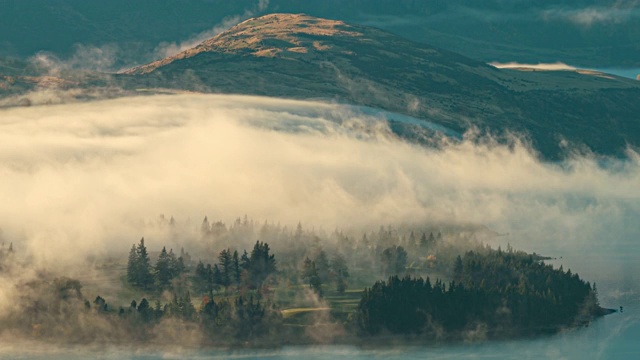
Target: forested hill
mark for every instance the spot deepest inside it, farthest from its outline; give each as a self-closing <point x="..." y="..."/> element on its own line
<point x="493" y="294"/>
<point x="304" y="57"/>
<point x="262" y="297"/>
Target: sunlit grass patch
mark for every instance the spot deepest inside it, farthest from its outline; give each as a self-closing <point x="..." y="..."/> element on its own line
<point x="286" y="313"/>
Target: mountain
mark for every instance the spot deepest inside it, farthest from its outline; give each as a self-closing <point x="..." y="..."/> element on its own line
<point x="594" y="33"/>
<point x="302" y="57"/>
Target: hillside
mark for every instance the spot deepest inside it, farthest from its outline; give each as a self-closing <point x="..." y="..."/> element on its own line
<point x="599" y="34"/>
<point x="299" y="56"/>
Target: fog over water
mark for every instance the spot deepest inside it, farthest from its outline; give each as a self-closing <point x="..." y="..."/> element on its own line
<point x="88" y="178"/>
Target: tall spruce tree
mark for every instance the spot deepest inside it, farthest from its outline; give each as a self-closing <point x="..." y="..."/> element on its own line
<point x="144" y="277"/>
<point x="163" y="270"/>
<point x="225" y="261"/>
<point x="132" y="265"/>
<point x="236" y="271"/>
<point x="261" y="264"/>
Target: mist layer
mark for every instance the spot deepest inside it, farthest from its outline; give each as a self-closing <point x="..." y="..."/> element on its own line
<point x="88" y="178"/>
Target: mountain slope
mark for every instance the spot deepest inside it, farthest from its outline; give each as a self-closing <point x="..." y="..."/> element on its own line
<point x="299" y="56"/>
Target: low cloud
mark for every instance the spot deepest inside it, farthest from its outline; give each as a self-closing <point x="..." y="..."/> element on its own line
<point x="615" y="13"/>
<point x="539" y="66"/>
<point x="85" y="178"/>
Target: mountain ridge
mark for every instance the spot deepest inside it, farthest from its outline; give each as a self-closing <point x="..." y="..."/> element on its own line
<point x="303" y="57"/>
<point x="298" y="56"/>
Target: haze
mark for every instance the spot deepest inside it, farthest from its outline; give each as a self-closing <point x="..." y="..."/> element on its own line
<point x="86" y="178"/>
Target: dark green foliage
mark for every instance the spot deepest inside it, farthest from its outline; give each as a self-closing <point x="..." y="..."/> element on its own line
<point x="244" y="261"/>
<point x="308" y="269"/>
<point x="248" y="270"/>
<point x="181" y="307"/>
<point x="261" y="264"/>
<point x="249" y="314"/>
<point x="132" y="264"/>
<point x="209" y="310"/>
<point x="339" y="266"/>
<point x="176" y="265"/>
<point x="67" y="288"/>
<point x="100" y="303"/>
<point x="225" y="262"/>
<point x="236" y="271"/>
<point x="315" y="281"/>
<point x="457" y="269"/>
<point x="203" y="278"/>
<point x="139" y="271"/>
<point x="145" y="310"/>
<point x="341" y="272"/>
<point x="163" y="269"/>
<point x="514" y="292"/>
<point x="311" y="276"/>
<point x="322" y="266"/>
<point x="217" y="276"/>
<point x="394" y="260"/>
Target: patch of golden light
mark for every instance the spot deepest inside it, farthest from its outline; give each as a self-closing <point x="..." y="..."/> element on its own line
<point x="298" y="49"/>
<point x="267" y="52"/>
<point x="319" y="46"/>
<point x="594" y="73"/>
<point x="250" y="34"/>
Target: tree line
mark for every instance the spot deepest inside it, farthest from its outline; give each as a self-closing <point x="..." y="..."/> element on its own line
<point x="510" y="293"/>
<point x="144" y="275"/>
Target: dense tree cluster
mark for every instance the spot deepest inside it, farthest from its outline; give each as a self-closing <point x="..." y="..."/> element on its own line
<point x="249" y="270"/>
<point x="508" y="292"/>
<point x="142" y="274"/>
<point x="320" y="271"/>
<point x="240" y="297"/>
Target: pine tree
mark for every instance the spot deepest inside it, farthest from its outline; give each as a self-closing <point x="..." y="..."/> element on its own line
<point x="205" y="228"/>
<point x="307" y="270"/>
<point x="457" y="269"/>
<point x="322" y="266"/>
<point x="315" y="282"/>
<point x="261" y="264"/>
<point x="144" y="278"/>
<point x="432" y="241"/>
<point x="424" y="243"/>
<point x="188" y="310"/>
<point x="245" y="262"/>
<point x="412" y="240"/>
<point x="202" y="277"/>
<point x="341" y="271"/>
<point x="132" y="266"/>
<point x="217" y="276"/>
<point x="225" y="267"/>
<point x="236" y="271"/>
<point x="163" y="270"/>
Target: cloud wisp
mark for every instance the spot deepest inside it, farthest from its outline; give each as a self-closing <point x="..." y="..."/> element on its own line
<point x="618" y="12"/>
<point x="167" y="49"/>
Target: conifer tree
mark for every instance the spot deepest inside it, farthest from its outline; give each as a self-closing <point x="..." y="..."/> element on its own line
<point x="132" y="266"/>
<point x="225" y="262"/>
<point x="144" y="278"/>
<point x="236" y="271"/>
<point x="261" y="264"/>
<point x="322" y="266"/>
<point x="163" y="270"/>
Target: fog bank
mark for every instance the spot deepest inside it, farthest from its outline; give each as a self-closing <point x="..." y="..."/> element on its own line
<point x="86" y="178"/>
